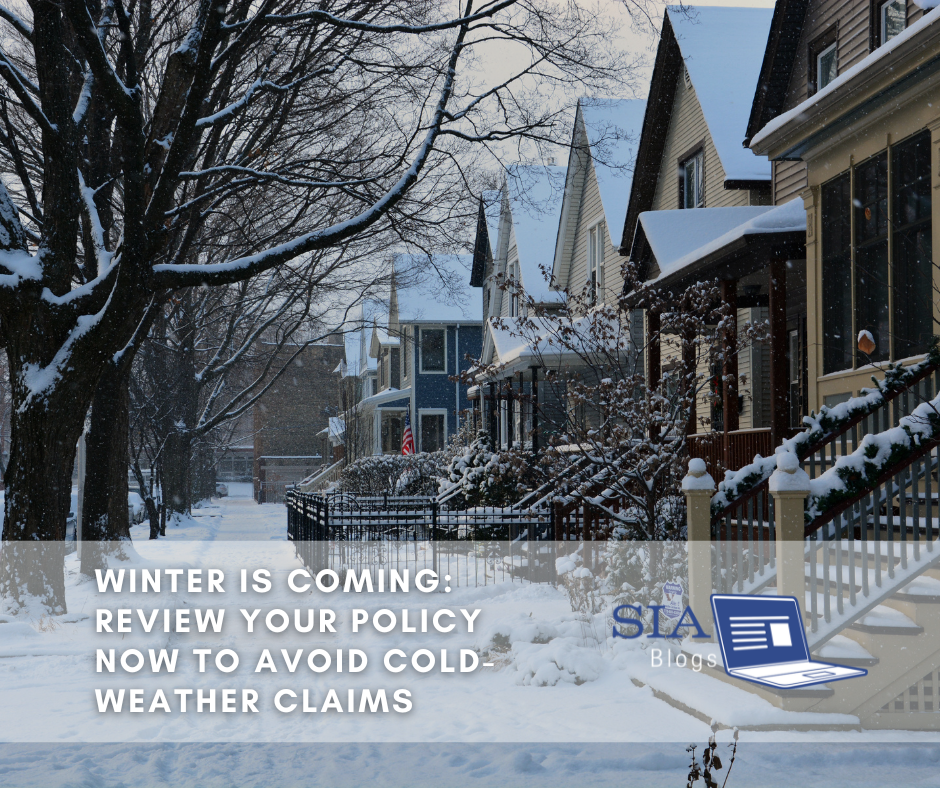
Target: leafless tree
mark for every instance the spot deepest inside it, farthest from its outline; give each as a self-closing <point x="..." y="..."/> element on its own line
<point x="128" y="126"/>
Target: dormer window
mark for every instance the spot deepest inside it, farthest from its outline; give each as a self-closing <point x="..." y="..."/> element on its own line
<point x="892" y="19"/>
<point x="692" y="181"/>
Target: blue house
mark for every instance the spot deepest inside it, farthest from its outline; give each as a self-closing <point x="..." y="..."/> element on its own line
<point x="433" y="323"/>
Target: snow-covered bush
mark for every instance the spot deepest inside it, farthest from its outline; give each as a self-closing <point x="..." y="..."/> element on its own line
<point x="481" y="476"/>
<point x="394" y="474"/>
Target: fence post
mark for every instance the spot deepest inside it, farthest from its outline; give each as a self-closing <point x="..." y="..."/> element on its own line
<point x="433" y="535"/>
<point x="789" y="486"/>
<point x="699" y="487"/>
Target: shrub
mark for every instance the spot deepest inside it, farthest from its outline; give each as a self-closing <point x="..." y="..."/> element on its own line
<point x="394" y="474"/>
<point x="484" y="477"/>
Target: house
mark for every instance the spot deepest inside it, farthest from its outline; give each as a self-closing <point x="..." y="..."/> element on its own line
<point x="847" y="110"/>
<point x="430" y="326"/>
<point x="513" y="258"/>
<point x="289" y="417"/>
<point x="701" y="208"/>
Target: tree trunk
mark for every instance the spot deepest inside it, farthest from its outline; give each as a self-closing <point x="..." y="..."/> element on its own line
<point x="105" y="523"/>
<point x="177" y="473"/>
<point x="38" y="478"/>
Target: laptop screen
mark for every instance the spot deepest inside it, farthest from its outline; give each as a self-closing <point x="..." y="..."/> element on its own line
<point x="759" y="630"/>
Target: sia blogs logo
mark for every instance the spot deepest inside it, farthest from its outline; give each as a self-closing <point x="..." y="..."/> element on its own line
<point x="631" y="626"/>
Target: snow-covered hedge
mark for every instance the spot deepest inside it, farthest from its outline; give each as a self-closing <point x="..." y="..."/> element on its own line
<point x="830" y="421"/>
<point x="395" y="474"/>
<point x="480" y="476"/>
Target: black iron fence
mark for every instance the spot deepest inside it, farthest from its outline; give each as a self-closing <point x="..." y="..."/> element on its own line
<point x="465" y="547"/>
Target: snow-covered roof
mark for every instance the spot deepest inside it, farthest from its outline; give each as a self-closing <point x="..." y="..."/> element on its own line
<point x="535" y="197"/>
<point x="436" y="289"/>
<point x="882" y="52"/>
<point x="682" y="237"/>
<point x="723" y="48"/>
<point x="383" y="398"/>
<point x="613" y="128"/>
<point x="352" y="342"/>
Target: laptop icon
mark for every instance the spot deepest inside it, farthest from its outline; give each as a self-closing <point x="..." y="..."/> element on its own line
<point x="763" y="640"/>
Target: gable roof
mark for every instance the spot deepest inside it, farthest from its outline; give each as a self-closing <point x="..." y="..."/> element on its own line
<point x="777" y="67"/>
<point x="435" y="289"/>
<point x="487" y="235"/>
<point x="605" y="137"/>
<point x="535" y="196"/>
<point x="721" y="48"/>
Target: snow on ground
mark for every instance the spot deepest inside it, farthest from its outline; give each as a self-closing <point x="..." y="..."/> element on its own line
<point x="587" y="722"/>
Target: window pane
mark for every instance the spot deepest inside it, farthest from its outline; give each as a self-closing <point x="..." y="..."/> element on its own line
<point x="395" y="368"/>
<point x="827" y="66"/>
<point x="836" y="275"/>
<point x="432" y="350"/>
<point x="913" y="269"/>
<point x="893" y="19"/>
<point x="871" y="254"/>
<point x="432" y="432"/>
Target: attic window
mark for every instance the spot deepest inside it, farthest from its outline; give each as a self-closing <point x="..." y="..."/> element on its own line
<point x="692" y="181"/>
<point x="688" y="79"/>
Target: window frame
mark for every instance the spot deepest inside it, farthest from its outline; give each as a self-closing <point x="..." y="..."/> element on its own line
<point x="422" y="412"/>
<point x="876" y="24"/>
<point x="697" y="157"/>
<point x="421" y="368"/>
<point x="400" y="412"/>
<point x="817" y="48"/>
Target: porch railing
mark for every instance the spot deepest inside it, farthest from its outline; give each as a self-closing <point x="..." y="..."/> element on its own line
<point x="743" y="512"/>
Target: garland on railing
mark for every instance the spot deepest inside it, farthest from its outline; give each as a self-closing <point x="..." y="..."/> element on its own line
<point x="830" y="422"/>
<point x="861" y="471"/>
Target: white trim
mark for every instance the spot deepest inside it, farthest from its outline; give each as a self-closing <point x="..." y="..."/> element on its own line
<point x="430" y="412"/>
<point x="597" y="237"/>
<point x="421" y="368"/>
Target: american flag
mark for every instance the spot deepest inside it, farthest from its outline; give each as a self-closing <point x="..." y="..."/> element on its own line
<point x="407" y="439"/>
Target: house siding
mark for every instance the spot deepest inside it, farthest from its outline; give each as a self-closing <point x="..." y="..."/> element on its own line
<point x="590" y="212"/>
<point x="854" y="23"/>
<point x="687" y="129"/>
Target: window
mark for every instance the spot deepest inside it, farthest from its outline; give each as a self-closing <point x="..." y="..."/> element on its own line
<point x="393" y="422"/>
<point x="827" y="65"/>
<point x="406" y="354"/>
<point x="911" y="256"/>
<point x="381" y="365"/>
<point x="692" y="181"/>
<point x="889" y="17"/>
<point x="433" y="348"/>
<point x="596" y="261"/>
<point x="395" y="368"/>
<point x="432" y="431"/>
<point x="876" y="257"/>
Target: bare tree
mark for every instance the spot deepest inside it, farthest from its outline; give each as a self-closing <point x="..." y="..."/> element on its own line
<point x="128" y="126"/>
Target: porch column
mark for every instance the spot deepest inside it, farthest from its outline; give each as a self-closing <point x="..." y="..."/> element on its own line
<point x="779" y="383"/>
<point x="688" y="372"/>
<point x="654" y="351"/>
<point x="510" y="415"/>
<point x="789" y="485"/>
<point x="521" y="399"/>
<point x="535" y="410"/>
<point x="492" y="414"/>
<point x="699" y="487"/>
<point x="729" y="369"/>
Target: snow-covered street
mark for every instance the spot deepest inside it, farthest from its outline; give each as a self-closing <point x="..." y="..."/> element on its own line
<point x="459" y="729"/>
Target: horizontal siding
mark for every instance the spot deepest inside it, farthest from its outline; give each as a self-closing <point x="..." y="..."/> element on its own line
<point x="687" y="128"/>
<point x="854" y="21"/>
<point x="789" y="180"/>
<point x="591" y="212"/>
